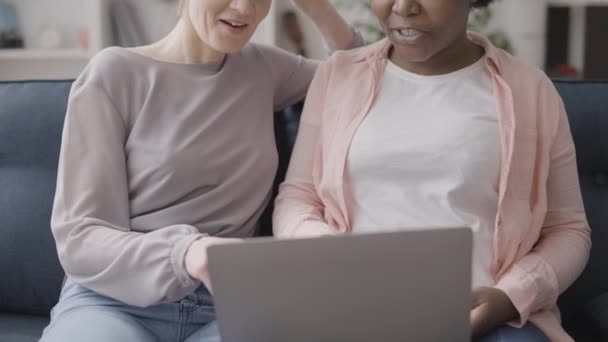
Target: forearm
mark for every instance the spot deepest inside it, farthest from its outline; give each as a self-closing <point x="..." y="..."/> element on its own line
<point x="566" y="249"/>
<point x="335" y="30"/>
<point x="536" y="281"/>
<point x="298" y="213"/>
<point x="140" y="269"/>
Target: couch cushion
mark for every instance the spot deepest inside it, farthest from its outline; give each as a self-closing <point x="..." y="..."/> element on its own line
<point x="597" y="311"/>
<point x="31" y="121"/>
<point x="587" y="106"/>
<point x="21" y="328"/>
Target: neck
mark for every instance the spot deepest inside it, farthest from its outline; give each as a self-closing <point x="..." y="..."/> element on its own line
<point x="458" y="55"/>
<point x="183" y="45"/>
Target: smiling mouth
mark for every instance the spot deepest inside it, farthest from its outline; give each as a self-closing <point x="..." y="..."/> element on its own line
<point x="407" y="34"/>
<point x="234" y="24"/>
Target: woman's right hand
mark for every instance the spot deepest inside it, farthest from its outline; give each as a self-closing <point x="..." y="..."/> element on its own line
<point x="196" y="259"/>
<point x="492" y="308"/>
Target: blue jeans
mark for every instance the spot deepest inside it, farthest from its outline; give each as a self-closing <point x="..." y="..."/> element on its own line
<point x="529" y="333"/>
<point x="83" y="315"/>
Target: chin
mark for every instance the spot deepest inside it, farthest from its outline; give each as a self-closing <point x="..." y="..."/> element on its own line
<point x="411" y="55"/>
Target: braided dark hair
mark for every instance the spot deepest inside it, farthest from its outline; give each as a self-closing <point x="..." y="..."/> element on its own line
<point x="482" y="3"/>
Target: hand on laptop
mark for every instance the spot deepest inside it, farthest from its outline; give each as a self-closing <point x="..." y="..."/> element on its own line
<point x="492" y="308"/>
<point x="195" y="259"/>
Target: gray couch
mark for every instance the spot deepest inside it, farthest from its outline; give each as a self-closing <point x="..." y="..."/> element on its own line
<point x="31" y="119"/>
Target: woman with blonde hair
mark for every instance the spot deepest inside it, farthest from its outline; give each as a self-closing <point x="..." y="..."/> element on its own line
<point x="167" y="149"/>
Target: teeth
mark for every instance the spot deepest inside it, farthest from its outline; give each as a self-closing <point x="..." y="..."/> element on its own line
<point x="409" y="33"/>
<point x="235" y="24"/>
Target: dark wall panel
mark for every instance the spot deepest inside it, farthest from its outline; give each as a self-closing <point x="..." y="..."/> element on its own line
<point x="558" y="35"/>
<point x="596" y="50"/>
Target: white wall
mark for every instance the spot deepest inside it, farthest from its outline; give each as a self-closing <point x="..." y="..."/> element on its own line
<point x="524" y="21"/>
<point x="267" y="31"/>
<point x="156" y="17"/>
<point x="81" y="30"/>
<point x="576" y="55"/>
<point x="35" y="15"/>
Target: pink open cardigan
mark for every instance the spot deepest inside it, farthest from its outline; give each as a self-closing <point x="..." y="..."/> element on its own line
<point x="542" y="238"/>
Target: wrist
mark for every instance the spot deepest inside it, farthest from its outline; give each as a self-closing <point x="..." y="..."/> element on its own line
<point x="193" y="260"/>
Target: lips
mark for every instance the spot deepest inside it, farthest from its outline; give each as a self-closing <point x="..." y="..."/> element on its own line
<point x="234" y="23"/>
<point x="407" y="35"/>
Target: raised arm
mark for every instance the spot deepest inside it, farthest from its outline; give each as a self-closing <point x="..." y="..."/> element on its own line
<point x="335" y="30"/>
<point x="292" y="73"/>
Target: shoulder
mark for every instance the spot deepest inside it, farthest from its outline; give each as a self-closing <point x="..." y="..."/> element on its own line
<point x="372" y="52"/>
<point x="111" y="76"/>
<point x="255" y="50"/>
<point x="112" y="55"/>
<point x="353" y="63"/>
<point x="349" y="67"/>
<point x="528" y="83"/>
<point x="286" y="72"/>
<point x="108" y="69"/>
<point x="519" y="73"/>
<point x="534" y="95"/>
<point x="257" y="60"/>
<point x="108" y="62"/>
<point x="266" y="51"/>
<point x="269" y="56"/>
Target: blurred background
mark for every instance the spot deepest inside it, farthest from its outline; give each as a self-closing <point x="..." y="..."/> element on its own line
<point x="50" y="39"/>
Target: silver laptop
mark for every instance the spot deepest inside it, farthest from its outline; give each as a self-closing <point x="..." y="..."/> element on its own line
<point x="404" y="286"/>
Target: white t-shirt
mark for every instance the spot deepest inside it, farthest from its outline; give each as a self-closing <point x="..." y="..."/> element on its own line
<point x="428" y="156"/>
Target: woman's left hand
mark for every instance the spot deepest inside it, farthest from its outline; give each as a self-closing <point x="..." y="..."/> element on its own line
<point x="492" y="308"/>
